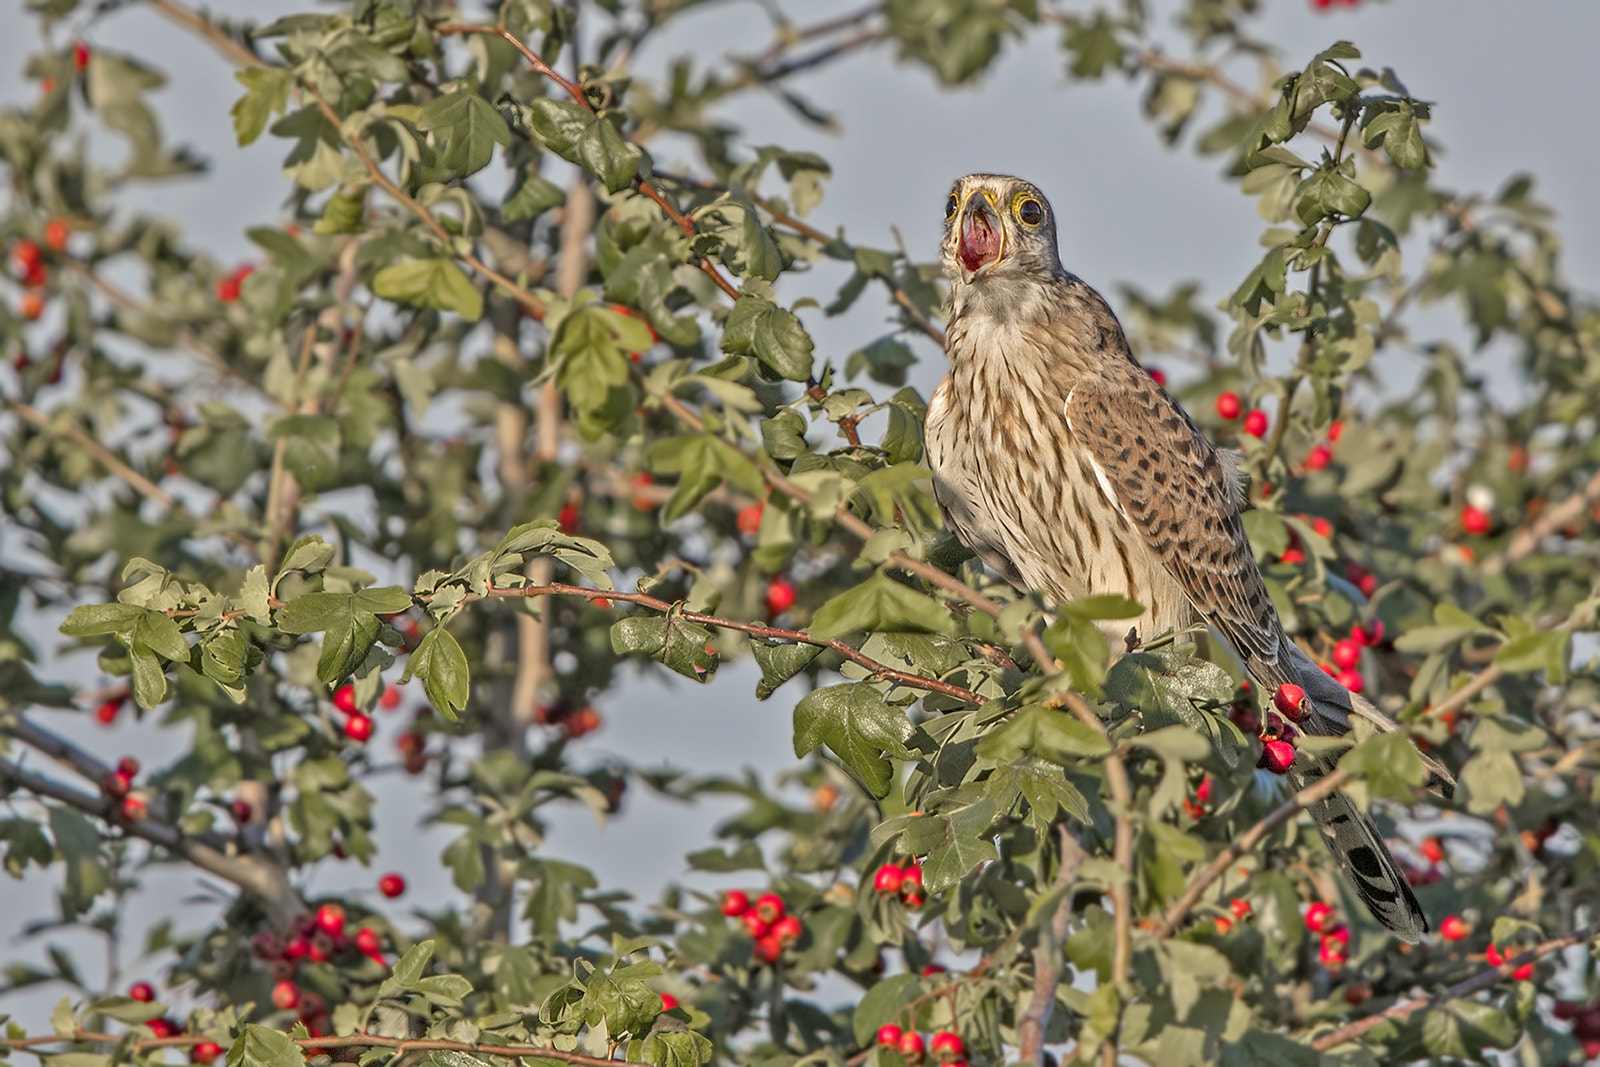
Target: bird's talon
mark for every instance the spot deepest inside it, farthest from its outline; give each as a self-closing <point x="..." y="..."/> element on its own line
<point x="1132" y="639"/>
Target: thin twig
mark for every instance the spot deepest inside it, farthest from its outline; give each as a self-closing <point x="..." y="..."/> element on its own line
<point x="1046" y="964"/>
<point x="101" y="455"/>
<point x="1472" y="985"/>
<point x="213" y="34"/>
<point x="1244" y="843"/>
<point x="879" y="670"/>
<point x="1527" y="539"/>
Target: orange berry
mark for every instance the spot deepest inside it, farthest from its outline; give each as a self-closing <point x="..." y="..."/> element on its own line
<point x="56" y="232"/>
<point x="749" y="518"/>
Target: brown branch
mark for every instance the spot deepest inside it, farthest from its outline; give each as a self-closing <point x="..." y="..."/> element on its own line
<point x="1046" y="970"/>
<point x="1457" y="700"/>
<point x="579" y="97"/>
<point x="1527" y="539"/>
<point x="401" y="1045"/>
<point x="1477" y="982"/>
<point x="1245" y="842"/>
<point x="252" y="874"/>
<point x="213" y="34"/>
<point x="879" y="670"/>
<point x="102" y="455"/>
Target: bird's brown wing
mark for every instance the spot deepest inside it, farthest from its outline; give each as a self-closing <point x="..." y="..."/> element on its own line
<point x="1171" y="485"/>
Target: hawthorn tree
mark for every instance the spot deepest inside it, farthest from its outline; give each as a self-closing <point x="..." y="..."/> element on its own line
<point x="583" y="424"/>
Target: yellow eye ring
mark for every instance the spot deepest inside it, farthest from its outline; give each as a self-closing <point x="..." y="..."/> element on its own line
<point x="950" y="206"/>
<point x="1029" y="211"/>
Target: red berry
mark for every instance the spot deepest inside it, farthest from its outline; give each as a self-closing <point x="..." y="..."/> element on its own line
<point x="285" y="995"/>
<point x="106" y="713"/>
<point x="298" y="948"/>
<point x="749" y="519"/>
<point x="1370" y="635"/>
<point x="205" y="1052"/>
<point x="735" y="903"/>
<point x="1241" y="908"/>
<point x="411" y="743"/>
<point x="1255" y="423"/>
<point x="913" y="899"/>
<point x="583" y="721"/>
<point x="887" y="880"/>
<point x="781" y="596"/>
<point x="889" y="1034"/>
<point x="1293" y="555"/>
<point x="1288" y="700"/>
<point x="133" y="808"/>
<point x="391" y="885"/>
<point x="128" y="767"/>
<point x="788" y="930"/>
<point x="1157" y="375"/>
<point x="1318" y="458"/>
<point x="390" y="698"/>
<point x="31" y="305"/>
<point x="142" y="991"/>
<point x="912" y="1046"/>
<point x="1203" y="791"/>
<point x="755" y="925"/>
<point x="1475" y="520"/>
<point x="1351" y="679"/>
<point x="668" y="1002"/>
<point x="344" y="698"/>
<point x="330" y="919"/>
<point x="27" y="255"/>
<point x="1492" y="955"/>
<point x="56" y="232"/>
<point x="768" y="949"/>
<point x="1347" y="652"/>
<point x="911" y="878"/>
<point x="1454" y="928"/>
<point x="934" y="968"/>
<point x="1357" y="993"/>
<point x="567" y="518"/>
<point x="1222" y="923"/>
<point x="769" y="906"/>
<point x="1335" y="431"/>
<point x="227" y="290"/>
<point x="368" y="942"/>
<point x="1319" y="917"/>
<point x="80" y="59"/>
<point x="1433" y="848"/>
<point x="1523" y="973"/>
<point x="642" y="501"/>
<point x="1322" y="527"/>
<point x="358" y="727"/>
<point x="1276" y="756"/>
<point x="163" y="1027"/>
<point x="947" y="1045"/>
<point x="1228" y="405"/>
<point x="115" y="785"/>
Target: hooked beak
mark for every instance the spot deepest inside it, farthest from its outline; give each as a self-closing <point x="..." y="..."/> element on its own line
<point x="982" y="239"/>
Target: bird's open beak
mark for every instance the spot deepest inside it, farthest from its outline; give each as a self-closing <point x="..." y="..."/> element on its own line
<point x="982" y="240"/>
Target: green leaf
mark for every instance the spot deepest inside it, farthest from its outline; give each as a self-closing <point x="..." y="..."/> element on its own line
<point x="1093" y="45"/>
<point x="1044" y="731"/>
<point x="580" y="136"/>
<point x="262" y="1046"/>
<point x="779" y="663"/>
<point x="758" y="327"/>
<point x="862" y="730"/>
<point x="442" y="666"/>
<point x="676" y="1048"/>
<point x="1464" y="1028"/>
<point x="882" y="1004"/>
<point x="1326" y="193"/>
<point x="881" y="603"/>
<point x="532" y="196"/>
<point x="680" y="645"/>
<point x="1389" y="763"/>
<point x="266" y="93"/>
<point x="90" y="620"/>
<point x="433" y="282"/>
<point x="467" y="128"/>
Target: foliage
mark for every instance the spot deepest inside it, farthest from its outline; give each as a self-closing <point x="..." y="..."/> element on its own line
<point x="236" y="483"/>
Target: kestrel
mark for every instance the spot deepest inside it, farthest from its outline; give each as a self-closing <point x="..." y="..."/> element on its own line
<point x="1069" y="471"/>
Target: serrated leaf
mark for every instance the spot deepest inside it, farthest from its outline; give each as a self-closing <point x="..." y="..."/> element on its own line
<point x="880" y="603"/>
<point x="779" y="663"/>
<point x="467" y="128"/>
<point x="580" y="136"/>
<point x="862" y="730"/>
<point x="758" y="327"/>
<point x="262" y="1046"/>
<point x="678" y="644"/>
<point x="432" y="282"/>
<point x="442" y="666"/>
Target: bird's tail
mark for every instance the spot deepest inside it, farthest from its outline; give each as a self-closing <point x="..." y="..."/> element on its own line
<point x="1352" y="837"/>
<point x="1364" y="860"/>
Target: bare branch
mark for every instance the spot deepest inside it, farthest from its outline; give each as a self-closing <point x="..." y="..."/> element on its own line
<point x="1551" y="519"/>
<point x="1046" y="957"/>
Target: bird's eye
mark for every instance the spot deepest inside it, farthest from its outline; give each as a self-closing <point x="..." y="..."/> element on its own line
<point x="950" y="206"/>
<point x="1030" y="211"/>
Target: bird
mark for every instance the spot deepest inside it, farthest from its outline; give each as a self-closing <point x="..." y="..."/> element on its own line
<point x="1068" y="470"/>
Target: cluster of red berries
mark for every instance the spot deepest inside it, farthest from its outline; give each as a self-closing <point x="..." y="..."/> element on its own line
<point x="202" y="1052"/>
<point x="319" y="938"/>
<point x="358" y="725"/>
<point x="1321" y="454"/>
<point x="1335" y="948"/>
<point x="413" y="746"/>
<point x="118" y="785"/>
<point x="1239" y="910"/>
<point x="767" y="922"/>
<point x="576" y="722"/>
<point x="1230" y="407"/>
<point x="27" y="259"/>
<point x="903" y="880"/>
<point x="946" y="1045"/>
<point x="1346" y="654"/>
<point x="228" y="288"/>
<point x="1585" y="1019"/>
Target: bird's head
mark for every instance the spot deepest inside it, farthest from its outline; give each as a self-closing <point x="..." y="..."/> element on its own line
<point x="997" y="226"/>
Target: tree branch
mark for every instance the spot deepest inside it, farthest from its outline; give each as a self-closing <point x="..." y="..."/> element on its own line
<point x="1527" y="539"/>
<point x="1046" y="968"/>
<point x="1245" y="842"/>
<point x="879" y="670"/>
<point x="252" y="874"/>
<point x="1477" y="982"/>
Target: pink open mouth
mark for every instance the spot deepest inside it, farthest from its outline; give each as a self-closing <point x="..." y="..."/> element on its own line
<point x="980" y="239"/>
